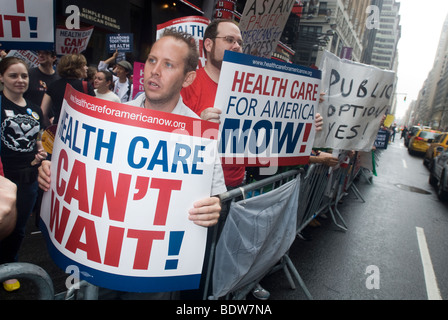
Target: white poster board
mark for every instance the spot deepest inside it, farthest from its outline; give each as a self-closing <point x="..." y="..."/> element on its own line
<point x="122" y="181"/>
<point x="268" y="109"/>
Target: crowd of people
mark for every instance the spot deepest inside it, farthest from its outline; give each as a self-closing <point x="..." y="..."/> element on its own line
<point x="31" y="100"/>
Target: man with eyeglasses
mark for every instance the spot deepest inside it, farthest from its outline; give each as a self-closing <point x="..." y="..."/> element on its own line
<point x="219" y="36"/>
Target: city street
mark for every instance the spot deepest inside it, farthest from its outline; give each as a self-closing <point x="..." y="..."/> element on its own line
<point x="378" y="257"/>
<point x="382" y="232"/>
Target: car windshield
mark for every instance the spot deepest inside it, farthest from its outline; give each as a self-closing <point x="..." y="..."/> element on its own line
<point x="428" y="134"/>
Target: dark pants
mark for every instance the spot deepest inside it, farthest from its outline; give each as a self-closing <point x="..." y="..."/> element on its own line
<point x="26" y="198"/>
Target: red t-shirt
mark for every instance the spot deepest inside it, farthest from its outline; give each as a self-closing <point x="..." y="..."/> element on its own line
<point x="199" y="96"/>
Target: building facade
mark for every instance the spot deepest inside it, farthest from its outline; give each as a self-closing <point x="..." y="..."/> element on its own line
<point x="384" y="49"/>
<point x="138" y="17"/>
<point x="431" y="106"/>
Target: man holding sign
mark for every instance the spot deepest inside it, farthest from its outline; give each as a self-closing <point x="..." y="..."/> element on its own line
<point x="220" y="35"/>
<point x="171" y="65"/>
<point x="162" y="92"/>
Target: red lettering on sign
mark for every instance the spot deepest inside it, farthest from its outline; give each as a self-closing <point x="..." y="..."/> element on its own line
<point x="114" y="245"/>
<point x="144" y="246"/>
<point x="78" y="178"/>
<point x="20" y="6"/>
<point x="86" y="227"/>
<point x="58" y="224"/>
<point x="165" y="186"/>
<point x="15" y="24"/>
<point x="104" y="189"/>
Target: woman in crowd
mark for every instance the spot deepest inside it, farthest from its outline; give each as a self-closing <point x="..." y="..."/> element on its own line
<point x="21" y="152"/>
<point x="102" y="83"/>
<point x="72" y="68"/>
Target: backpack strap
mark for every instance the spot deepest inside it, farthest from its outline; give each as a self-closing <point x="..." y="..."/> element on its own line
<point x="84" y="85"/>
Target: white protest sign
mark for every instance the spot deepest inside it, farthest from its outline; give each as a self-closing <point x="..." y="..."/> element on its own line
<point x="27" y="24"/>
<point x="123" y="180"/>
<point x="194" y="25"/>
<point x="268" y="109"/>
<point x="356" y="98"/>
<point x="30" y="57"/>
<point x="262" y="24"/>
<point x="72" y="40"/>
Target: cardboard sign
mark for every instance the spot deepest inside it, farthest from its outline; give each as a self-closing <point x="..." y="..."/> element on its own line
<point x="268" y="109"/>
<point x="357" y="96"/>
<point x="72" y="41"/>
<point x="27" y="24"/>
<point x="262" y="24"/>
<point x="194" y="25"/>
<point x="123" y="180"/>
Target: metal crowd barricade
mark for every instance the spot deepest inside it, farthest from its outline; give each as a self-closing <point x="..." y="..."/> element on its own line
<point x="252" y="189"/>
<point x="340" y="180"/>
<point x="312" y="193"/>
<point x="321" y="188"/>
<point x="31" y="272"/>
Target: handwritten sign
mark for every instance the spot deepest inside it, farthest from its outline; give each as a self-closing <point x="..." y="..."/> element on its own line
<point x="194" y="25"/>
<point x="262" y="24"/>
<point x="268" y="110"/>
<point x="357" y="96"/>
<point x="27" y="24"/>
<point x="123" y="179"/>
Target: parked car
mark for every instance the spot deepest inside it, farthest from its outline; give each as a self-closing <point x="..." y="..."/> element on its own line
<point x="421" y="141"/>
<point x="411" y="132"/>
<point x="438" y="176"/>
<point x="431" y="153"/>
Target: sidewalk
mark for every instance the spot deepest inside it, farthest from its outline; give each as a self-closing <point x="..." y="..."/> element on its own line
<point x="34" y="250"/>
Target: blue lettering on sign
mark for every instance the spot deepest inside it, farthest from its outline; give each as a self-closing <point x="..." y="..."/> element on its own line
<point x="183" y="158"/>
<point x="279" y="134"/>
<point x="70" y="131"/>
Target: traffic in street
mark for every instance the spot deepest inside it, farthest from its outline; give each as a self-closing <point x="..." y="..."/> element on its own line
<point x="396" y="234"/>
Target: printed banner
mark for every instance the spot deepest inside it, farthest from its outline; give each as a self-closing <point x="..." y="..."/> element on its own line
<point x="30" y="57"/>
<point x="382" y="139"/>
<point x="72" y="41"/>
<point x="123" y="180"/>
<point x="194" y="25"/>
<point x="138" y="79"/>
<point x="27" y="24"/>
<point x="123" y="42"/>
<point x="268" y="109"/>
<point x="357" y="96"/>
<point x="262" y="24"/>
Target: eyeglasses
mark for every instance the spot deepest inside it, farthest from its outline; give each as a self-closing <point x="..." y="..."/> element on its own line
<point x="231" y="40"/>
